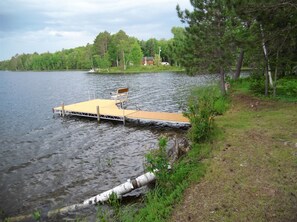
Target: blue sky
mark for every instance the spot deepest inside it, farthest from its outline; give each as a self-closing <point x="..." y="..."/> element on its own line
<point x="28" y="26"/>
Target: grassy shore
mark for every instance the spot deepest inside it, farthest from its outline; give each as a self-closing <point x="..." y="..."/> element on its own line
<point x="141" y="69"/>
<point x="251" y="173"/>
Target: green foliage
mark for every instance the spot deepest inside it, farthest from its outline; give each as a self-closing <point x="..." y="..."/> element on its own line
<point x="276" y="32"/>
<point x="166" y="53"/>
<point x="257" y="83"/>
<point x="115" y="203"/>
<point x="208" y="42"/>
<point x="104" y="62"/>
<point x="158" y="162"/>
<point x="221" y="105"/>
<point x="101" y="43"/>
<point x="36" y="215"/>
<point x="157" y="61"/>
<point x="177" y="45"/>
<point x="205" y="103"/>
<point x="241" y="84"/>
<point x="136" y="55"/>
<point x="103" y="215"/>
<point x="142" y="69"/>
<point x="151" y="47"/>
<point x="287" y="86"/>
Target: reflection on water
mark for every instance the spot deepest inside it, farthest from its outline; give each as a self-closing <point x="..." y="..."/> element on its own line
<point x="47" y="161"/>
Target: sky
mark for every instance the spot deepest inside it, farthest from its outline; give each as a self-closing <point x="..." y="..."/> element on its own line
<point x="28" y="26"/>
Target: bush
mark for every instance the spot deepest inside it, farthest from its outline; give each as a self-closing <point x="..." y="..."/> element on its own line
<point x="205" y="103"/>
<point x="257" y="83"/>
<point x="221" y="105"/>
<point x="158" y="160"/>
<point x="287" y="86"/>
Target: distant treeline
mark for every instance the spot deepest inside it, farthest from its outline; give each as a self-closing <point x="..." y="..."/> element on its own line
<point x="107" y="50"/>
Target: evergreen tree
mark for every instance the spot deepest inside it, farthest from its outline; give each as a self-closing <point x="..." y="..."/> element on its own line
<point x="151" y="47"/>
<point x="209" y="44"/>
<point x="101" y="43"/>
<point x="177" y="45"/>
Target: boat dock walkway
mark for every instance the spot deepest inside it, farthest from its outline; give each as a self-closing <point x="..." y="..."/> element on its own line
<point x="109" y="109"/>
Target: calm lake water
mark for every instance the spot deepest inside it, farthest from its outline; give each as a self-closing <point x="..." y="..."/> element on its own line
<point x="47" y="161"/>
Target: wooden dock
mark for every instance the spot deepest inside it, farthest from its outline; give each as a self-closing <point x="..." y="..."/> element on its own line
<point x="109" y="109"/>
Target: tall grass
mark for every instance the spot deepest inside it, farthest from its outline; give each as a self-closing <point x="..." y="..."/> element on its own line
<point x="204" y="104"/>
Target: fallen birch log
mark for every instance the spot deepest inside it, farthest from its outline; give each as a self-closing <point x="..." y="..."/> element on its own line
<point x="100" y="198"/>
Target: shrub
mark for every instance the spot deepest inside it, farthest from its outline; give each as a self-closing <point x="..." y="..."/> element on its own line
<point x="158" y="162"/>
<point x="287" y="86"/>
<point x="221" y="105"/>
<point x="257" y="83"/>
<point x="205" y="103"/>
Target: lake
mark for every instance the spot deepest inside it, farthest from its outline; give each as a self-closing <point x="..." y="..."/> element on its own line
<point x="47" y="161"/>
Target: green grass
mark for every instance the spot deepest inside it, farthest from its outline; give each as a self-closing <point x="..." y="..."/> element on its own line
<point x="141" y="69"/>
<point x="241" y="85"/>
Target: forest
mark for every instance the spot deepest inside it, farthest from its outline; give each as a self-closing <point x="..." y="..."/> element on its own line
<point x="224" y="33"/>
<point x="107" y="50"/>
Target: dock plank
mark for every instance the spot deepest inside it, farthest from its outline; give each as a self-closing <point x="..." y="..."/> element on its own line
<point x="159" y="116"/>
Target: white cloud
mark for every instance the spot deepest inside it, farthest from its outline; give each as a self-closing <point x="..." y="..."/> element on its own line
<point x="37" y="25"/>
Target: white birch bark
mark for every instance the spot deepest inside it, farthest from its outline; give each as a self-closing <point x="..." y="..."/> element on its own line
<point x="100" y="198"/>
<point x="266" y="56"/>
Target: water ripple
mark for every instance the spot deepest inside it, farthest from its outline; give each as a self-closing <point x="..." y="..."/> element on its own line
<point x="48" y="161"/>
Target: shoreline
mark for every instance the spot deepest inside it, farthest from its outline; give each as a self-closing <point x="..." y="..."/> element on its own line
<point x="115" y="70"/>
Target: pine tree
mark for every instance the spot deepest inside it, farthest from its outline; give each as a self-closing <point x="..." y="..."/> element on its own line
<point x="209" y="45"/>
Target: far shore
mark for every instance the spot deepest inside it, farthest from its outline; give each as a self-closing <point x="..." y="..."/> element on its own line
<point x="129" y="70"/>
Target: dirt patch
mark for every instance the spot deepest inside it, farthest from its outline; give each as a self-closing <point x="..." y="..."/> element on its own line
<point x="252" y="103"/>
<point x="253" y="174"/>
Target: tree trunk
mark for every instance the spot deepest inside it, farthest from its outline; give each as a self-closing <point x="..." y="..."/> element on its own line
<point x="239" y="65"/>
<point x="266" y="57"/>
<point x="124" y="64"/>
<point x="266" y="79"/>
<point x="222" y="81"/>
<point x="275" y="75"/>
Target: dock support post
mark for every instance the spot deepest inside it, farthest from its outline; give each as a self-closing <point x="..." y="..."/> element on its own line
<point x="124" y="118"/>
<point x="98" y="113"/>
<point x="63" y="109"/>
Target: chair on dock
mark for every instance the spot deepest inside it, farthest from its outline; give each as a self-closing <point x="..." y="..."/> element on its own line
<point x="121" y="96"/>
